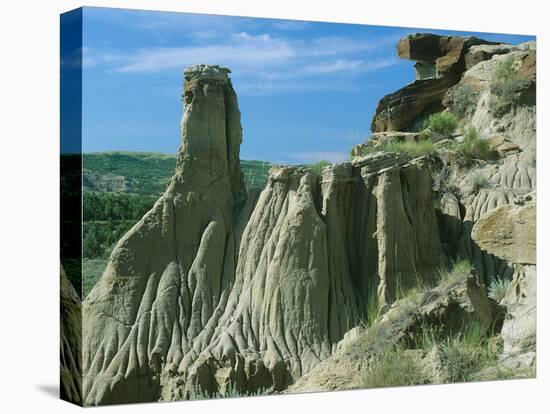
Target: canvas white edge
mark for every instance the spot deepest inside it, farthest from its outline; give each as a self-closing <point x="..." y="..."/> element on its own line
<point x="29" y="234"/>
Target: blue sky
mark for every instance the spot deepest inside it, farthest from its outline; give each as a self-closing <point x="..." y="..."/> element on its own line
<point x="307" y="90"/>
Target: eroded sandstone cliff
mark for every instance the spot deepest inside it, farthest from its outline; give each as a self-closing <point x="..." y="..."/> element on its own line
<point x="216" y="290"/>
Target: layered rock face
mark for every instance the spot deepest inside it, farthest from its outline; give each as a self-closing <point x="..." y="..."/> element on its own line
<point x="508" y="122"/>
<point x="509" y="233"/>
<point x="493" y="93"/>
<point x="215" y="289"/>
<point x="486" y="206"/>
<point x="440" y="62"/>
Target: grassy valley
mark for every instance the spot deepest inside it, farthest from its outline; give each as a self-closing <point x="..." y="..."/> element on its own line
<point x="119" y="188"/>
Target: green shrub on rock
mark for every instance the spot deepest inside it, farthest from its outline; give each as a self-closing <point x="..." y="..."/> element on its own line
<point x="412" y="148"/>
<point x="463" y="100"/>
<point x="477" y="182"/>
<point x="443" y="123"/>
<point x="508" y="88"/>
<point x="474" y="146"/>
<point x="440" y="125"/>
<point x="505" y="70"/>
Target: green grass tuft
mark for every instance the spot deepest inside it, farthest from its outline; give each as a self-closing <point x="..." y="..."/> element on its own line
<point x="394" y="367"/>
<point x="474" y="146"/>
<point x="464" y="100"/>
<point x="498" y="287"/>
<point x="459" y="271"/>
<point x="468" y="352"/>
<point x="505" y="70"/>
<point x="507" y="87"/>
<point x="198" y="393"/>
<point x="477" y="182"/>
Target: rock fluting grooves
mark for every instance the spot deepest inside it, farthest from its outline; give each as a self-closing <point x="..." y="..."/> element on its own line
<point x="216" y="289"/>
<point x="70" y="342"/>
<point x="167" y="276"/>
<point x="486" y="208"/>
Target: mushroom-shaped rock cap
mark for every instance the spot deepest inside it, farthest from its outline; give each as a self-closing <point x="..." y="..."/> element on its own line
<point x="432" y="48"/>
<point x="213" y="72"/>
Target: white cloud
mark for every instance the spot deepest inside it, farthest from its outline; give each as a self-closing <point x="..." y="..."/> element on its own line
<point x="261" y="63"/>
<point x="348" y="66"/>
<point x="242" y="52"/>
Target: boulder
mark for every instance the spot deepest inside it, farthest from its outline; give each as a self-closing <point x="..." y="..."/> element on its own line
<point x="446" y="53"/>
<point x="509" y="232"/>
<point x="503" y="145"/>
<point x="404" y="109"/>
<point x="479" y="53"/>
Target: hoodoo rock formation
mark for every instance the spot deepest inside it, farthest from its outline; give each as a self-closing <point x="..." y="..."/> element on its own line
<point x="168" y="276"/>
<point x="217" y="290"/>
<point x="214" y="288"/>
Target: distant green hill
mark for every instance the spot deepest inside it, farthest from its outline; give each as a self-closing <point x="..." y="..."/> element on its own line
<point x="119" y="188"/>
<point x="148" y="173"/>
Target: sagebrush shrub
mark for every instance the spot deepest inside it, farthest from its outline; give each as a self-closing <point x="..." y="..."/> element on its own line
<point x="474" y="146"/>
<point x="443" y="123"/>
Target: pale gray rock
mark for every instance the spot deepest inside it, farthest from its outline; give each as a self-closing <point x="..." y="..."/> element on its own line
<point x="520" y="326"/>
<point x="217" y="290"/>
<point x="509" y="232"/>
<point x="70" y="342"/>
<point x="167" y="276"/>
<point x="479" y="53"/>
<point x="449" y="305"/>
